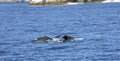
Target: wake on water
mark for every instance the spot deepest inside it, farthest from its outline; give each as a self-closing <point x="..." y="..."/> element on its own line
<point x="79" y="38"/>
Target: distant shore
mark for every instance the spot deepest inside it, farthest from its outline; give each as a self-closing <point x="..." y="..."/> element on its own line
<point x="48" y="3"/>
<point x="9" y="1"/>
<point x="60" y="4"/>
<point x="56" y="3"/>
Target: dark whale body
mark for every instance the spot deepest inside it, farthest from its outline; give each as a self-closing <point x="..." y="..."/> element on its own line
<point x="62" y="38"/>
<point x="44" y="38"/>
<point x="67" y="38"/>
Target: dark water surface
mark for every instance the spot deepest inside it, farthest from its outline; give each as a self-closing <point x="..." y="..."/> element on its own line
<point x="99" y="24"/>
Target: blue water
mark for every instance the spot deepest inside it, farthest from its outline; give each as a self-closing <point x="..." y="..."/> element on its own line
<point x="99" y="24"/>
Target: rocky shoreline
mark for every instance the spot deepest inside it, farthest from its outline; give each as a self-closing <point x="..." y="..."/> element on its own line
<point x="49" y="3"/>
<point x="61" y="2"/>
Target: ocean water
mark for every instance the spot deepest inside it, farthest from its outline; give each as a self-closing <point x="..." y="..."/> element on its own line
<point x="98" y="24"/>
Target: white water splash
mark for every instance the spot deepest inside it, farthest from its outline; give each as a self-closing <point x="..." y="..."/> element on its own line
<point x="79" y="38"/>
<point x="57" y="39"/>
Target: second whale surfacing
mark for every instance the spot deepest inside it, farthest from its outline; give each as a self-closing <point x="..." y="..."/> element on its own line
<point x="63" y="38"/>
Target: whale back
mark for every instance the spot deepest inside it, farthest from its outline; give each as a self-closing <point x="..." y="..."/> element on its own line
<point x="67" y="38"/>
<point x="44" y="38"/>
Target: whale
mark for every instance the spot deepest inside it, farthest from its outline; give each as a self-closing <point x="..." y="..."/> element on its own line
<point x="44" y="38"/>
<point x="62" y="38"/>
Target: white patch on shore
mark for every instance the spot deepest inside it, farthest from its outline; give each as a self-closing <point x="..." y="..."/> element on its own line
<point x="72" y="3"/>
<point x="107" y="1"/>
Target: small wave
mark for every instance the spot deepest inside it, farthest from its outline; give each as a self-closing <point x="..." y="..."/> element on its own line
<point x="58" y="48"/>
